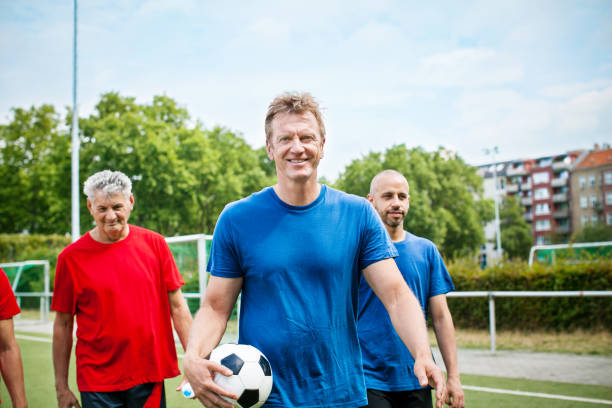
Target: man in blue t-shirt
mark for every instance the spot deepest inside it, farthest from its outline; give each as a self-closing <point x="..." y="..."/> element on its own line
<point x="387" y="363"/>
<point x="297" y="250"/>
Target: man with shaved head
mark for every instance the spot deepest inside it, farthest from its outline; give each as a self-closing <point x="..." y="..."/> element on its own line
<point x="387" y="363"/>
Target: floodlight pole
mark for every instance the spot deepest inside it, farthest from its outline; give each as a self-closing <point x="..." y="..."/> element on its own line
<point x="493" y="151"/>
<point x="75" y="138"/>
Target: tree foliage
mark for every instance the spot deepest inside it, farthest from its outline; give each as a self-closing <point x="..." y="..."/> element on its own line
<point x="182" y="174"/>
<point x="516" y="235"/>
<point x="446" y="203"/>
<point x="595" y="232"/>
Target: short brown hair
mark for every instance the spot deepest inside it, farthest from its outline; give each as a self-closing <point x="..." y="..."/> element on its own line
<point x="293" y="102"/>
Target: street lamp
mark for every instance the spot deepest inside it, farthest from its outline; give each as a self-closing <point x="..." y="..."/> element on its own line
<point x="493" y="152"/>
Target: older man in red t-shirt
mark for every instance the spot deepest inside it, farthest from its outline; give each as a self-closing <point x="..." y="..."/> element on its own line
<point x="10" y="357"/>
<point x="121" y="283"/>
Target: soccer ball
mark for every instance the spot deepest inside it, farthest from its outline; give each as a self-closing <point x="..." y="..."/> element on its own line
<point x="252" y="374"/>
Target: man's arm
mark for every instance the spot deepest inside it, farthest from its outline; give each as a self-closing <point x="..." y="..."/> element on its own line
<point x="10" y="363"/>
<point x="445" y="335"/>
<point x="407" y="318"/>
<point x="62" y="346"/>
<point x="181" y="316"/>
<point x="206" y="332"/>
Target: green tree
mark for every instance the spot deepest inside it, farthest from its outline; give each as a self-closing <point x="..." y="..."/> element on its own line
<point x="594" y="232"/>
<point x="516" y="235"/>
<point x="34" y="168"/>
<point x="446" y="202"/>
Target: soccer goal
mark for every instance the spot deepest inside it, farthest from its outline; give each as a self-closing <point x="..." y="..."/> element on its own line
<point x="190" y="253"/>
<point x="549" y="254"/>
<point x="30" y="282"/>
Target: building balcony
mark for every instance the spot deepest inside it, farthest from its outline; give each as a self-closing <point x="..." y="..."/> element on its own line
<point x="526" y="186"/>
<point x="526" y="201"/>
<point x="512" y="188"/>
<point x="517" y="171"/>
<point x="562" y="229"/>
<point x="558" y="166"/>
<point x="561" y="214"/>
<point x="528" y="217"/>
<point x="559" y="198"/>
<point x="559" y="182"/>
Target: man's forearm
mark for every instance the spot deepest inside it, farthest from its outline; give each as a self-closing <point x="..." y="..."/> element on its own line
<point x="445" y="336"/>
<point x="12" y="372"/>
<point x="206" y="331"/>
<point x="181" y="316"/>
<point x="62" y="347"/>
<point x="407" y="319"/>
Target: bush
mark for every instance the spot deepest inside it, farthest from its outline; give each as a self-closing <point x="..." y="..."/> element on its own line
<point x="533" y="313"/>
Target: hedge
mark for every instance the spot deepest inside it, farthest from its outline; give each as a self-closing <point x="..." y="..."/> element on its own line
<point x="533" y="313"/>
<point x="511" y="313"/>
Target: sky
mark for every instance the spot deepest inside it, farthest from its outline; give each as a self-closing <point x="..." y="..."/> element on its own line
<point x="533" y="78"/>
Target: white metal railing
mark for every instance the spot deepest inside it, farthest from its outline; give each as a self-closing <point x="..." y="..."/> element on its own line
<point x="493" y="294"/>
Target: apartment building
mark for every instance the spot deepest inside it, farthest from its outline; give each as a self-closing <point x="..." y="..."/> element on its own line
<point x="591" y="188"/>
<point x="542" y="186"/>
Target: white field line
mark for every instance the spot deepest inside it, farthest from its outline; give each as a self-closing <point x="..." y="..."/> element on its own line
<point x="465" y="387"/>
<point x="536" y="394"/>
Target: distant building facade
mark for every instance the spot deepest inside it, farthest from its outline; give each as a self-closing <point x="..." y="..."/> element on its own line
<point x="591" y="188"/>
<point x="544" y="188"/>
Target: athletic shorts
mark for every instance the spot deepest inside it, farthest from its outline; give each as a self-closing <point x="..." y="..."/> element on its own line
<point x="149" y="395"/>
<point x="420" y="398"/>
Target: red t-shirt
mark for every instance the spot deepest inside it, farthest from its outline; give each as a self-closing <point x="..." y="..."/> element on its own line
<point x="119" y="294"/>
<point x="8" y="303"/>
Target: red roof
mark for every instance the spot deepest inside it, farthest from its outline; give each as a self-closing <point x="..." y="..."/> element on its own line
<point x="596" y="158"/>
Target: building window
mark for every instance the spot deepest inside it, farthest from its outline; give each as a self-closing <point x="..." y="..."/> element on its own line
<point x="583" y="202"/>
<point x="585" y="220"/>
<point x="609" y="220"/>
<point x="541" y="177"/>
<point x="594" y="219"/>
<point x="541" y="194"/>
<point x="542" y="209"/>
<point x="608" y="177"/>
<point x="542" y="225"/>
<point x="593" y="200"/>
<point x="592" y="180"/>
<point x="609" y="197"/>
<point x="582" y="181"/>
<point x="545" y="162"/>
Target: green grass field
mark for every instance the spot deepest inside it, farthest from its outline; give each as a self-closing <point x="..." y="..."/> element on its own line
<point x="40" y="390"/>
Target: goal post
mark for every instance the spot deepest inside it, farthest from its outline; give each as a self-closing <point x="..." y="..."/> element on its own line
<point x="30" y="280"/>
<point x="581" y="250"/>
<point x="190" y="253"/>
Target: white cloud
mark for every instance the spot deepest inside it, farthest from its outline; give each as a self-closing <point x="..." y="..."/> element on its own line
<point x="465" y="68"/>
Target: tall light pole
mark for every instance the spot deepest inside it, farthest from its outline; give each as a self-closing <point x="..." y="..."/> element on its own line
<point x="75" y="138"/>
<point x="493" y="152"/>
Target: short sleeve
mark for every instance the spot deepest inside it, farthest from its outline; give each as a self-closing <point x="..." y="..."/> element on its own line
<point x="223" y="259"/>
<point x="376" y="244"/>
<point x="64" y="298"/>
<point x="441" y="281"/>
<point x="172" y="276"/>
<point x="8" y="303"/>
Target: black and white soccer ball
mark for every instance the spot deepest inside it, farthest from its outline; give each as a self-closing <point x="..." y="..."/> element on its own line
<point x="252" y="374"/>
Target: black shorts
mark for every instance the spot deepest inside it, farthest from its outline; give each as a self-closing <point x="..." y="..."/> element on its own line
<point x="420" y="398"/>
<point x="149" y="395"/>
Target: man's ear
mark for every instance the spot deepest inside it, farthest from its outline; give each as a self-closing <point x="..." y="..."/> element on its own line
<point x="370" y="198"/>
<point x="269" y="150"/>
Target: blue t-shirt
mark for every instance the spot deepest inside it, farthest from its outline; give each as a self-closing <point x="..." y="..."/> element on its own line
<point x="301" y="268"/>
<point x="387" y="363"/>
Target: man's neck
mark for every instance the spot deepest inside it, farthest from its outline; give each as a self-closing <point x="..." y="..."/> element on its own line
<point x="98" y="236"/>
<point x="397" y="234"/>
<point x="297" y="194"/>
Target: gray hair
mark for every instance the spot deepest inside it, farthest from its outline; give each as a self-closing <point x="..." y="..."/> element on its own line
<point x="108" y="182"/>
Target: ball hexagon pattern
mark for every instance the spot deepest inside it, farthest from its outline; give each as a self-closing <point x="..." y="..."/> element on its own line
<point x="252" y="374"/>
